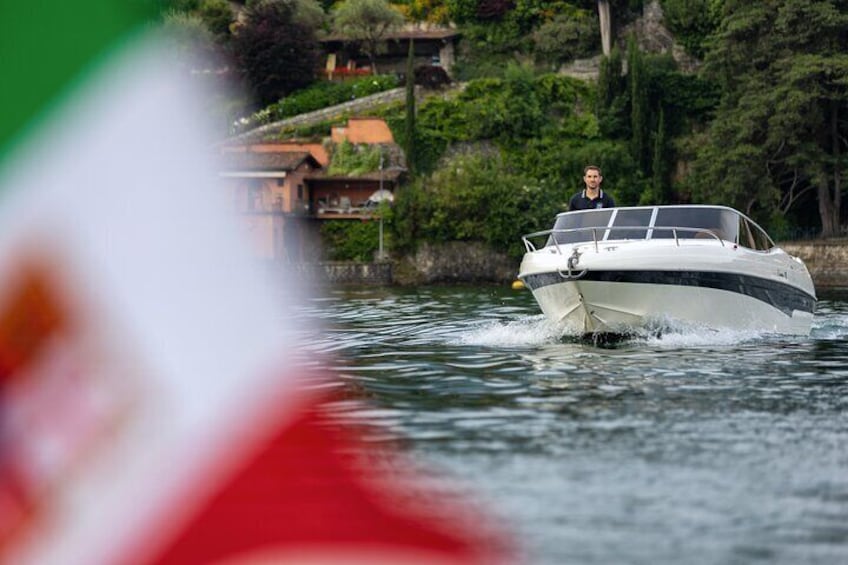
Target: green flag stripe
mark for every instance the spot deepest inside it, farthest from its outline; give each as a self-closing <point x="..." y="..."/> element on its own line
<point x="47" y="46"/>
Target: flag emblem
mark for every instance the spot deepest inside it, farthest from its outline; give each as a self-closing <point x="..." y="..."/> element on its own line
<point x="53" y="406"/>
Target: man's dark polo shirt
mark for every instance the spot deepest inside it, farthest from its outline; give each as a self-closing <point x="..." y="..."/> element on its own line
<point x="581" y="202"/>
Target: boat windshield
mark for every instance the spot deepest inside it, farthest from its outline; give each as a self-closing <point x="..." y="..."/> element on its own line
<point x="573" y="227"/>
<point x="696" y="222"/>
<point x="659" y="222"/>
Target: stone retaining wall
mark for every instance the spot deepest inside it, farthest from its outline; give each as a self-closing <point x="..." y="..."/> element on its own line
<point x="455" y="262"/>
<point x="342" y="273"/>
<point x="461" y="262"/>
<point x="326" y="114"/>
<point x="827" y="260"/>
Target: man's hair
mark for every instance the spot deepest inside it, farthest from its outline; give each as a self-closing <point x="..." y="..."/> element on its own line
<point x="588" y="168"/>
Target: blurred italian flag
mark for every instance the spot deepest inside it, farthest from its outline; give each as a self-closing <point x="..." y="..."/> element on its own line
<point x="151" y="409"/>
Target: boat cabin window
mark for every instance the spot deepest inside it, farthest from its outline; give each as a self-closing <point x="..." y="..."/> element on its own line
<point x="631" y="224"/>
<point x="574" y="227"/>
<point x="746" y="238"/>
<point x="695" y="222"/>
<point x="751" y="235"/>
<point x="659" y="222"/>
<point x="763" y="241"/>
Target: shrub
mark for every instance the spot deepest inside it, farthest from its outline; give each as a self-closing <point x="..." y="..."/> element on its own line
<point x="566" y="38"/>
<point x="217" y="15"/>
<point x="472" y="197"/>
<point x="353" y="160"/>
<point x="350" y="240"/>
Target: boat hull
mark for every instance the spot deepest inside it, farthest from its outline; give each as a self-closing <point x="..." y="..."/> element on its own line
<point x="629" y="287"/>
<point x="598" y="306"/>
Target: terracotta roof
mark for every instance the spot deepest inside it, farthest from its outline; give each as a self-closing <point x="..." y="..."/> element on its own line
<point x="266" y="161"/>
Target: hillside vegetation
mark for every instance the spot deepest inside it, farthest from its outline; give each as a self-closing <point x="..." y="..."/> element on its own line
<point x="760" y="125"/>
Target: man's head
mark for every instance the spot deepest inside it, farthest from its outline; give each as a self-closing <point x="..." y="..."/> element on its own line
<point x="592" y="177"/>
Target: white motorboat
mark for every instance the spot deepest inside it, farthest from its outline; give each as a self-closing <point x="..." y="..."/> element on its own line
<point x="624" y="270"/>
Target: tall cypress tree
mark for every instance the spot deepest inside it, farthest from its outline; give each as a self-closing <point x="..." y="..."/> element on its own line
<point x="639" y="122"/>
<point x="659" y="163"/>
<point x="612" y="97"/>
<point x="409" y="145"/>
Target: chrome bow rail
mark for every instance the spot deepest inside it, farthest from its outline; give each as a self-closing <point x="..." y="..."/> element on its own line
<point x="552" y="233"/>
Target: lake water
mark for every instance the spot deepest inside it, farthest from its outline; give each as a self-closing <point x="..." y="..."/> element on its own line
<point x="714" y="448"/>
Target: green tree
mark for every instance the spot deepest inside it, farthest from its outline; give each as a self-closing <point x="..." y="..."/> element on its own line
<point x="692" y="22"/>
<point x="495" y="179"/>
<point x="659" y="193"/>
<point x="409" y="129"/>
<point x="190" y="39"/>
<point x="218" y="16"/>
<point x="612" y="97"/>
<point x="639" y="109"/>
<point x="367" y="21"/>
<point x="432" y="11"/>
<point x="474" y="196"/>
<point x="649" y="107"/>
<point x="524" y="114"/>
<point x="462" y="11"/>
<point x="344" y="240"/>
<point x="310" y="13"/>
<point x="277" y="52"/>
<point x="780" y="131"/>
<point x="566" y="37"/>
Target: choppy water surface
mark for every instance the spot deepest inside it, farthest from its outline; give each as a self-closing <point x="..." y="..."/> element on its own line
<point x="685" y="448"/>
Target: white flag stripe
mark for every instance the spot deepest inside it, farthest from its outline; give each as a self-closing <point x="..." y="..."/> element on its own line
<point x="124" y="198"/>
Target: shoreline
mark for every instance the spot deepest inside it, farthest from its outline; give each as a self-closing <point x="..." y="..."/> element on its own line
<point x="465" y="263"/>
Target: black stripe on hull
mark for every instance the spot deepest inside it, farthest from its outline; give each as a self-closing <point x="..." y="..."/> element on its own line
<point x="782" y="296"/>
